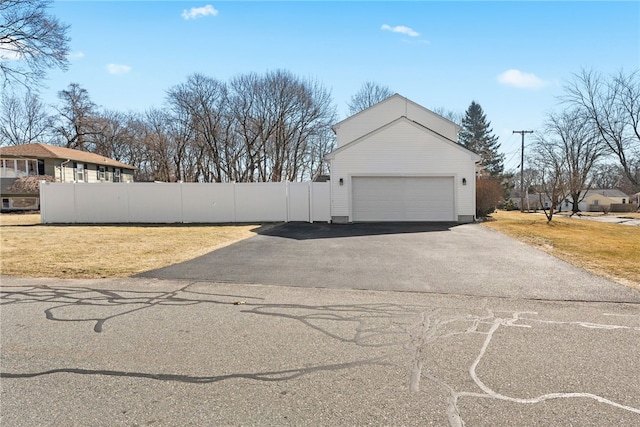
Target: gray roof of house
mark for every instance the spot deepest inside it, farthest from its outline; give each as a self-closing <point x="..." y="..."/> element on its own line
<point x="607" y="192"/>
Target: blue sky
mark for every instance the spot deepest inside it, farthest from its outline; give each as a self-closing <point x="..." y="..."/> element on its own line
<point x="512" y="57"/>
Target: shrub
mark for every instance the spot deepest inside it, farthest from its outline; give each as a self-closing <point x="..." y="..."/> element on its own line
<point x="489" y="192"/>
<point x="509" y="205"/>
<point x="29" y="184"/>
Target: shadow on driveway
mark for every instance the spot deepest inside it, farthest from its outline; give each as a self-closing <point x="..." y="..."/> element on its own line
<point x="306" y="231"/>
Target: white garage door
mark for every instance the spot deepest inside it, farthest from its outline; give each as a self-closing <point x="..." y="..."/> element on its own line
<point x="403" y="199"/>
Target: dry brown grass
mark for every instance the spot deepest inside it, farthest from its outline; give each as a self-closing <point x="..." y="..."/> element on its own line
<point x="30" y="249"/>
<point x="609" y="250"/>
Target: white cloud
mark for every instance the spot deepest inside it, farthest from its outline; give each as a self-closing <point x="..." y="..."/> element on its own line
<point x="196" y="12"/>
<point x="517" y="78"/>
<point x="76" y="55"/>
<point x="400" y="29"/>
<point x="9" y="51"/>
<point x="118" y="69"/>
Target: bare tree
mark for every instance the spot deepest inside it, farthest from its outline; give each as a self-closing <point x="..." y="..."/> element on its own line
<point x="31" y="41"/>
<point x="159" y="150"/>
<point x="453" y="116"/>
<point x="607" y="175"/>
<point x="303" y="111"/>
<point x="251" y="124"/>
<point x="369" y="94"/>
<point x="120" y="136"/>
<point x="202" y="102"/>
<point x="613" y="107"/>
<point x="578" y="145"/>
<point x="552" y="182"/>
<point x="78" y="118"/>
<point x="181" y="138"/>
<point x="23" y="120"/>
<point x="281" y="123"/>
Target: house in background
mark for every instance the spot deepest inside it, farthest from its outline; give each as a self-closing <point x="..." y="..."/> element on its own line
<point x="598" y="199"/>
<point x="398" y="161"/>
<point x="532" y="201"/>
<point x="56" y="164"/>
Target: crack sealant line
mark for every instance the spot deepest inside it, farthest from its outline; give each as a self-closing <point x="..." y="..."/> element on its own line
<point x="490" y="392"/>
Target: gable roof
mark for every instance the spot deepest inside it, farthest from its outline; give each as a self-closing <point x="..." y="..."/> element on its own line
<point x="394" y="96"/>
<point x="446" y="140"/>
<point x="606" y="192"/>
<point x="45" y="151"/>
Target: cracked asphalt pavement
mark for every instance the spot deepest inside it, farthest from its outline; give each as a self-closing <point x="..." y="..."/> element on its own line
<point x="166" y="351"/>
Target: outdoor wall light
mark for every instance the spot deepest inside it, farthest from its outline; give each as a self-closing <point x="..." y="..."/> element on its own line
<point x="464" y="181"/>
<point x="341" y="181"/>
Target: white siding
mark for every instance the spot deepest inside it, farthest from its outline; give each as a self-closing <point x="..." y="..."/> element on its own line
<point x="66" y="173"/>
<point x="388" y="110"/>
<point x="403" y="149"/>
<point x="432" y="120"/>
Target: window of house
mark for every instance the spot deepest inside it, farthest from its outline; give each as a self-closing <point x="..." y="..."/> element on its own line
<point x="18" y="168"/>
<point x="8" y="168"/>
<point x="21" y="168"/>
<point x="116" y="175"/>
<point x="5" y="203"/>
<point x="624" y="201"/>
<point x="596" y="202"/>
<point x="102" y="174"/>
<point x="80" y="172"/>
<point x="32" y="167"/>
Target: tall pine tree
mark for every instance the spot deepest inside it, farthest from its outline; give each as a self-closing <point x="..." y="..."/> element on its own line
<point x="477" y="136"/>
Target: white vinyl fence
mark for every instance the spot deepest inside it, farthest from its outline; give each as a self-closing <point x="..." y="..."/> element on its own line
<point x="108" y="203"/>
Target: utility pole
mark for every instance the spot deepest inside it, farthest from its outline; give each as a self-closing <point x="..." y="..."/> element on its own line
<point x="522" y="132"/>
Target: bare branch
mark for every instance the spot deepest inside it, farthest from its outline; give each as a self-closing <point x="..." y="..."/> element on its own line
<point x="369" y="94"/>
<point x="31" y="41"/>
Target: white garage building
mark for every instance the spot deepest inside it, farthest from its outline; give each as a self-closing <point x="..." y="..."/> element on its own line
<point x="398" y="161"/>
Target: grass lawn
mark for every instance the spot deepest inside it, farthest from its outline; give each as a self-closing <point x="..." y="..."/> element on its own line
<point x="610" y="250"/>
<point x="29" y="249"/>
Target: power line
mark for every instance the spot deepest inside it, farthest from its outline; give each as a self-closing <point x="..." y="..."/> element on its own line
<point x="512" y="155"/>
<point x="522" y="132"/>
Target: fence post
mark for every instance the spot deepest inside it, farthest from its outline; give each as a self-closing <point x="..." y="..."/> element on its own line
<point x="43" y="210"/>
<point x="181" y="204"/>
<point x="310" y="194"/>
<point x="128" y="196"/>
<point x="234" y="202"/>
<point x="75" y="203"/>
<point x="287" y="202"/>
<point x="43" y="213"/>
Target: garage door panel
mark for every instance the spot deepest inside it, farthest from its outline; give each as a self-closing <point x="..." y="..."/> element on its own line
<point x="403" y="199"/>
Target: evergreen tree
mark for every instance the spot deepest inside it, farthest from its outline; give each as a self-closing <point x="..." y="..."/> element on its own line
<point x="477" y="136"/>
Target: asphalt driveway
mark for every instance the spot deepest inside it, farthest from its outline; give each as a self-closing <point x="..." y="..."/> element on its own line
<point x="417" y="257"/>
